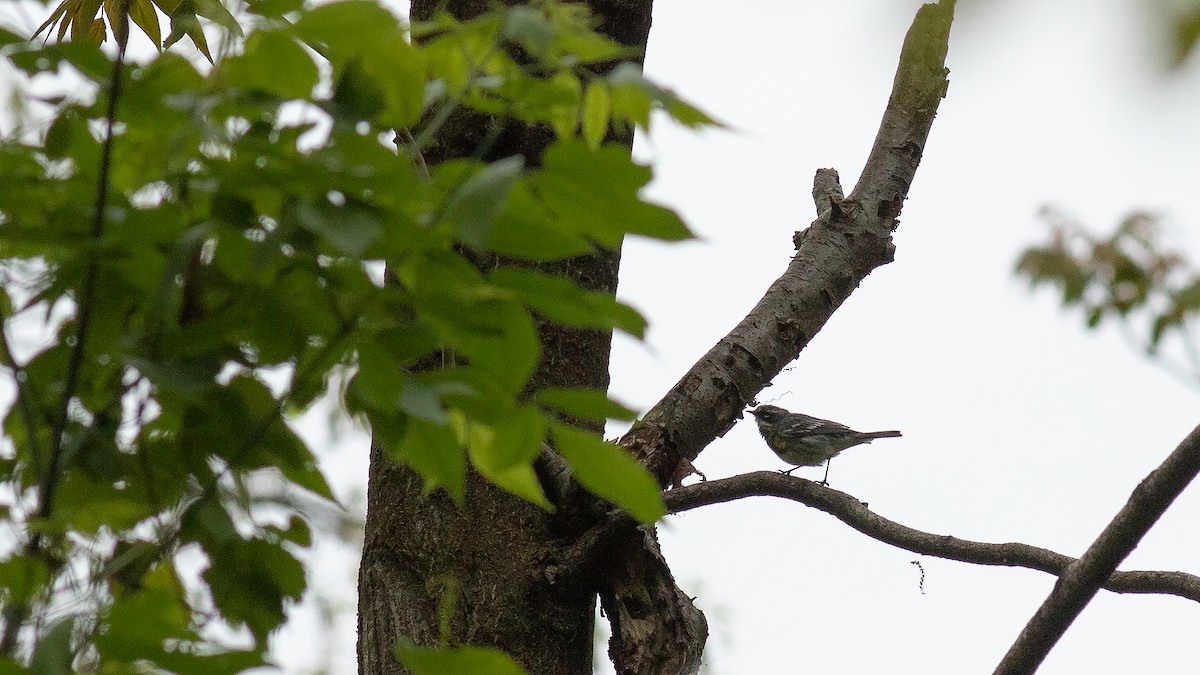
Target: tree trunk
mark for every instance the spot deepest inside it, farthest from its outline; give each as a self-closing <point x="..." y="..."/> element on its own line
<point x="481" y="572"/>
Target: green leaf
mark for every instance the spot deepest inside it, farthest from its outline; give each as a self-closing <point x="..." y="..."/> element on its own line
<point x="397" y="70"/>
<point x="368" y="38"/>
<point x="588" y="46"/>
<point x="471" y="209"/>
<point x="22" y="577"/>
<point x="139" y="622"/>
<point x="185" y="22"/>
<point x="495" y="334"/>
<point x="501" y="339"/>
<point x="608" y="471"/>
<point x="130" y="562"/>
<point x="565" y="118"/>
<point x="84" y="55"/>
<point x="513" y="440"/>
<point x="58" y="137"/>
<point x="348" y="27"/>
<point x="274" y="8"/>
<point x="634" y="96"/>
<point x="522" y="481"/>
<point x="630" y="102"/>
<point x="186" y="663"/>
<point x="456" y="660"/>
<point x="530" y="28"/>
<point x="350" y="227"/>
<point x="191" y="377"/>
<point x="432" y="451"/>
<point x="9" y="666"/>
<point x="206" y="521"/>
<point x="562" y="301"/>
<point x="1158" y="329"/>
<point x="90" y="504"/>
<point x="297" y="532"/>
<point x="214" y="10"/>
<point x="143" y="14"/>
<point x="504" y="453"/>
<point x="422" y="402"/>
<point x="251" y="581"/>
<point x="7" y="37"/>
<point x="52" y="655"/>
<point x="589" y="404"/>
<point x="689" y="115"/>
<point x="524" y="228"/>
<point x="272" y="62"/>
<point x="596" y="193"/>
<point x="377" y="382"/>
<point x="595" y="113"/>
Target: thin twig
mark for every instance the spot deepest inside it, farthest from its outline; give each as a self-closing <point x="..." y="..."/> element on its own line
<point x="16" y="612"/>
<point x="85" y="302"/>
<point x="854" y="513"/>
<point x="22" y="385"/>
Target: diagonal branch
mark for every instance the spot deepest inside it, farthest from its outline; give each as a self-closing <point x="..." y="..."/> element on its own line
<point x="856" y="514"/>
<point x="850" y="238"/>
<point x="1082" y="578"/>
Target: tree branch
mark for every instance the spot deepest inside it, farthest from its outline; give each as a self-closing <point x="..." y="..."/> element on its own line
<point x="656" y="628"/>
<point x="85" y="304"/>
<point x="1082" y="578"/>
<point x="856" y="514"/>
<point x="849" y="239"/>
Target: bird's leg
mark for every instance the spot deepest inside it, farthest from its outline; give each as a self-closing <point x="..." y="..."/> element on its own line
<point x="825" y="480"/>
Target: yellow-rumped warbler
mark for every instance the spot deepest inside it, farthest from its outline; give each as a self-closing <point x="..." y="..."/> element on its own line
<point x="808" y="441"/>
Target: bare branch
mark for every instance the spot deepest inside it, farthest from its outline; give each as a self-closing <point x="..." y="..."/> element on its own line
<point x="1082" y="578"/>
<point x="856" y="514"/>
<point x="850" y="238"/>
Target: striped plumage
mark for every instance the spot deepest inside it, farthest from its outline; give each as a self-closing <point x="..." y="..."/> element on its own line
<point x="803" y="440"/>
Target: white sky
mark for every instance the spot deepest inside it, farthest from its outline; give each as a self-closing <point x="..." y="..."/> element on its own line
<point x="1018" y="425"/>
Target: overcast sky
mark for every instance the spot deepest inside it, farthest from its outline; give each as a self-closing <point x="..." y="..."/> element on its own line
<point x="1018" y="425"/>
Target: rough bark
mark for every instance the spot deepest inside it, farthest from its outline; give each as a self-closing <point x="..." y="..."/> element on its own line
<point x="528" y="580"/>
<point x="422" y="553"/>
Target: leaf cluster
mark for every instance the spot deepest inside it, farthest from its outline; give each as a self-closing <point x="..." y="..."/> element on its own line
<point x="267" y="233"/>
<point x="1130" y="275"/>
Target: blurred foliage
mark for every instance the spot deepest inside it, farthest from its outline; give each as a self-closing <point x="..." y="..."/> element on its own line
<point x="1131" y="277"/>
<point x="1182" y="21"/>
<point x="171" y="297"/>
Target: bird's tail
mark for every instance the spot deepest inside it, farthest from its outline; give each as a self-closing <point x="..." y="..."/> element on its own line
<point x="881" y="434"/>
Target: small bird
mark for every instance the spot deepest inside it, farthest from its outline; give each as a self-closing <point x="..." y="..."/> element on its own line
<point x="802" y="440"/>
